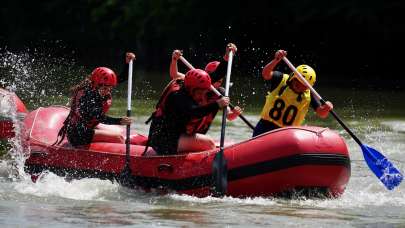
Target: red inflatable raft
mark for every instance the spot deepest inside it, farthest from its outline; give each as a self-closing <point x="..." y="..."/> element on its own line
<point x="294" y="159"/>
<point x="9" y="102"/>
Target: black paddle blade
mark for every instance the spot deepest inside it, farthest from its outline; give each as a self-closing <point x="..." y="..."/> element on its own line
<point x="382" y="167"/>
<point x="219" y="175"/>
<point x="126" y="178"/>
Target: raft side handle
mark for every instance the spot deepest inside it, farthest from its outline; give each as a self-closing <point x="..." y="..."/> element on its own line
<point x="165" y="168"/>
<point x="37" y="153"/>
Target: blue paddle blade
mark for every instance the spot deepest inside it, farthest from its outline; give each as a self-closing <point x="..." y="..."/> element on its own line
<point x="382" y="168"/>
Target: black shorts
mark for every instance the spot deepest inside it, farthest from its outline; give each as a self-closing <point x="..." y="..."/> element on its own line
<point x="162" y="139"/>
<point x="80" y="135"/>
<point x="264" y="126"/>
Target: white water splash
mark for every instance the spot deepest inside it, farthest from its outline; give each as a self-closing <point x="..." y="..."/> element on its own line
<point x="19" y="66"/>
<point x="396" y="126"/>
<point x="351" y="199"/>
<point x="51" y="185"/>
<point x="17" y="154"/>
<point x="354" y="198"/>
<point x="34" y="75"/>
<point x="210" y="199"/>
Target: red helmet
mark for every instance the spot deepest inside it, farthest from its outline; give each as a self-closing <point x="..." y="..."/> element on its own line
<point x="197" y="79"/>
<point x="103" y="76"/>
<point x="211" y="67"/>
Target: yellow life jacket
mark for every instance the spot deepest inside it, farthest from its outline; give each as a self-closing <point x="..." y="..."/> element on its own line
<point x="284" y="107"/>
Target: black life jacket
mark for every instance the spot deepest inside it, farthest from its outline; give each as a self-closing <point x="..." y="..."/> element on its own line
<point x="201" y="125"/>
<point x="195" y="125"/>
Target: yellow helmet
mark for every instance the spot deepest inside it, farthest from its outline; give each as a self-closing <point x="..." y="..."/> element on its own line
<point x="307" y="72"/>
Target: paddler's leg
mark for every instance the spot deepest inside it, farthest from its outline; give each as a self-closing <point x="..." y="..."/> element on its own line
<point x="135" y="139"/>
<point x="107" y="136"/>
<point x="112" y="128"/>
<point x="197" y="142"/>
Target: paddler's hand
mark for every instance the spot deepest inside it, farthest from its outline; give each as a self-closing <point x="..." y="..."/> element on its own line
<point x="324" y="109"/>
<point x="230" y="47"/>
<point x="129" y="56"/>
<point x="126" y="120"/>
<point x="279" y="55"/>
<point x="235" y="112"/>
<point x="176" y="54"/>
<point x="223" y="102"/>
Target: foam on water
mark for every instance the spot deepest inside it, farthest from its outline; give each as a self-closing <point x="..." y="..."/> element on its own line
<point x="230" y="200"/>
<point x="356" y="198"/>
<point x="395" y="125"/>
<point x="50" y="185"/>
<point x="352" y="198"/>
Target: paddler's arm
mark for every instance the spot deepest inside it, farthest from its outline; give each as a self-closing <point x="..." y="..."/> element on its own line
<point x="123" y="76"/>
<point x="267" y="72"/>
<point x="116" y="121"/>
<point x="233" y="113"/>
<point x="174" y="72"/>
<point x="110" y="120"/>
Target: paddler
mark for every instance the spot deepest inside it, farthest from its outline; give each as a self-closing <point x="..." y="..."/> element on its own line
<point x="216" y="71"/>
<point x="182" y="101"/>
<point x="91" y="99"/>
<point x="288" y="99"/>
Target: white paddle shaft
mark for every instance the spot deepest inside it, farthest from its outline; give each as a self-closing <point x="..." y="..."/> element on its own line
<point x="228" y="73"/>
<point x="129" y="100"/>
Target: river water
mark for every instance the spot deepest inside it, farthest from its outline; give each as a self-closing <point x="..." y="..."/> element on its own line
<point x="55" y="202"/>
<point x="92" y="202"/>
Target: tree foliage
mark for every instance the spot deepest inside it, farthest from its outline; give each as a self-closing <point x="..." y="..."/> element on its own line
<point x="354" y="34"/>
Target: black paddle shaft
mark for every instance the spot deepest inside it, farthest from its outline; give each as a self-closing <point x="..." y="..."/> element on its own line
<point x="127" y="141"/>
<point x="346" y="128"/>
<point x="222" y="92"/>
<point x="126" y="177"/>
<point x="334" y="114"/>
<point x="220" y="175"/>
